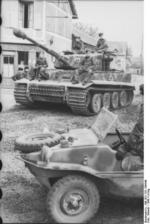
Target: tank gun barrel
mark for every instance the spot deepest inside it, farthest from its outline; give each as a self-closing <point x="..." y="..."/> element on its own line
<point x="20" y="34"/>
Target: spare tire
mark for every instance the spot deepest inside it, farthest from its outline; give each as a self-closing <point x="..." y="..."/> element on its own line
<point x="34" y="142"/>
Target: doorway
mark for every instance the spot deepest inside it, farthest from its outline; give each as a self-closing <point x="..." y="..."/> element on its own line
<point x="8" y="66"/>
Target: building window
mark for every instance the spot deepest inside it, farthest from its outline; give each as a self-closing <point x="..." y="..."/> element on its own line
<point x="26" y="14"/>
<point x="8" y="60"/>
<point x="23" y="57"/>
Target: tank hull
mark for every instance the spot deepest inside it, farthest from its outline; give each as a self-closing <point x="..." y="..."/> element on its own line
<point x="77" y="96"/>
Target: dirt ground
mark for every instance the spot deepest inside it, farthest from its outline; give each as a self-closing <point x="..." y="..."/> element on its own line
<point x="23" y="197"/>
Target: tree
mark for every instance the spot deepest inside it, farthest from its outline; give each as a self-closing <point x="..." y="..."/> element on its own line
<point x="87" y="28"/>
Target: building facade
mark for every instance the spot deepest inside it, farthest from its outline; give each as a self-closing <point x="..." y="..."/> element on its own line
<point x="47" y="21"/>
<point x="120" y="60"/>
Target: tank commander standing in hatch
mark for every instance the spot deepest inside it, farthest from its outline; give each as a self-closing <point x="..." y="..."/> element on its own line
<point x="77" y="44"/>
<point x="40" y="68"/>
<point x="132" y="153"/>
<point x="84" y="73"/>
<point x="101" y="45"/>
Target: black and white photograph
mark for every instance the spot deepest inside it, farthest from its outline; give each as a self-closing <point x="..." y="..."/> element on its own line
<point x="72" y="118"/>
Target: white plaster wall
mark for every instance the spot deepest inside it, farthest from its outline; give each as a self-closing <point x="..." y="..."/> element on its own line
<point x="10" y="15"/>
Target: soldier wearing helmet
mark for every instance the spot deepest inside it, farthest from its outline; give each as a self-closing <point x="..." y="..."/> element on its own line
<point x="101" y="43"/>
<point x="84" y="73"/>
<point x="41" y="65"/>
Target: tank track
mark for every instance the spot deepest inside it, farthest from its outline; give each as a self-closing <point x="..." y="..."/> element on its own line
<point x="77" y="101"/>
<point x="130" y="97"/>
<point x="20" y="94"/>
<point x="53" y="94"/>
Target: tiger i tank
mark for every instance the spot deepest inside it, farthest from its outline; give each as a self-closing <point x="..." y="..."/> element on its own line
<point x="107" y="87"/>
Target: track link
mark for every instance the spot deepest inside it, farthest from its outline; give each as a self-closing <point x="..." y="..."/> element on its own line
<point x="20" y="94"/>
<point x="78" y="101"/>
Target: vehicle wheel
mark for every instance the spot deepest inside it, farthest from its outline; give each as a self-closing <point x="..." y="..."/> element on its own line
<point x="123" y="98"/>
<point x="96" y="103"/>
<point x="106" y="100"/>
<point x="73" y="199"/>
<point x="130" y="97"/>
<point x="34" y="142"/>
<point x="114" y="100"/>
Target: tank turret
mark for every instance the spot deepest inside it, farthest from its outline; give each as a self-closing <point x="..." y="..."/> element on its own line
<point x="70" y="61"/>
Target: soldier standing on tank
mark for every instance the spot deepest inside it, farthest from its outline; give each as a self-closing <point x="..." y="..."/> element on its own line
<point x="84" y="73"/>
<point x="101" y="44"/>
<point x="41" y="65"/>
<point x="132" y="153"/>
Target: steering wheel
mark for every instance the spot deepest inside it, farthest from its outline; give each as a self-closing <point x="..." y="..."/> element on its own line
<point x="121" y="141"/>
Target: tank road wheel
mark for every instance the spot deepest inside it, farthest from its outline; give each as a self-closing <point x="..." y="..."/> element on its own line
<point x="96" y="103"/>
<point x="130" y="97"/>
<point x="123" y="98"/>
<point x="114" y="100"/>
<point x="73" y="199"/>
<point x="106" y="100"/>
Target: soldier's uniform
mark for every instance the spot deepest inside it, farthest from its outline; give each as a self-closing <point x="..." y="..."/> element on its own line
<point x="78" y="44"/>
<point x="132" y="154"/>
<point x="26" y="72"/>
<point x="84" y="73"/>
<point x="32" y="73"/>
<point x="41" y="62"/>
<point x="19" y="75"/>
<point x="101" y="44"/>
<point x="41" y="65"/>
